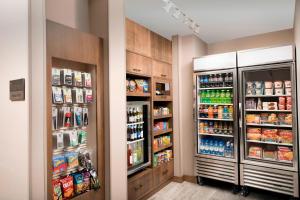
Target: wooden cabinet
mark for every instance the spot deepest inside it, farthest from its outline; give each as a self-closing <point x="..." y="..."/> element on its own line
<point x="137" y="64"/>
<point x="163" y="173"/>
<point x="162" y="89"/>
<point x="161" y="48"/>
<point x="138" y="38"/>
<point x="140" y="185"/>
<point x="161" y="69"/>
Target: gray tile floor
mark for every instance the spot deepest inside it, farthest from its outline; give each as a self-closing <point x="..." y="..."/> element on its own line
<point x="210" y="191"/>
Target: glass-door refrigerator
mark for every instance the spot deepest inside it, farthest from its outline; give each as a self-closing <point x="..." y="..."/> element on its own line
<point x="269" y="137"/>
<point x="216" y="120"/>
<point x="138" y="136"/>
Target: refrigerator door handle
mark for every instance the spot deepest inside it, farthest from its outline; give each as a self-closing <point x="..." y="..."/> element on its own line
<point x="240" y="115"/>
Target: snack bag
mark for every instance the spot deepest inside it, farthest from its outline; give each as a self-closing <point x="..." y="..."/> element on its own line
<point x="86" y="181"/>
<point x="78" y="183"/>
<point x="139" y="85"/>
<point x="72" y="159"/>
<point x="82" y="136"/>
<point x="59" y="164"/>
<point x="77" y="78"/>
<point x="67" y="186"/>
<point x="57" y="193"/>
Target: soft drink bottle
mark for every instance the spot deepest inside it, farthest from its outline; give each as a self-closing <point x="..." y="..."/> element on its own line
<point x="230" y="112"/>
<point x="203" y="96"/>
<point x="208" y="100"/>
<point x="222" y="96"/>
<point x="210" y="112"/>
<point x="217" y="96"/>
<point x="225" y="112"/>
<point x="227" y="96"/>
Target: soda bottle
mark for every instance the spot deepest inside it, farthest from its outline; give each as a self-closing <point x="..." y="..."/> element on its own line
<point x="205" y="111"/>
<point x="201" y="81"/>
<point x="222" y="96"/>
<point x="227" y="97"/>
<point x="201" y="127"/>
<point x="216" y="127"/>
<point x="205" y="127"/>
<point x="211" y="128"/>
<point x="217" y="96"/>
<point x="221" y="128"/>
<point x="225" y="112"/>
<point x="205" y="81"/>
<point x="208" y="100"/>
<point x="206" y="146"/>
<point x="210" y="112"/>
<point x="215" y="111"/>
<point x="220" y="112"/>
<point x="230" y="112"/>
<point x="213" y="96"/>
<point x="225" y="128"/>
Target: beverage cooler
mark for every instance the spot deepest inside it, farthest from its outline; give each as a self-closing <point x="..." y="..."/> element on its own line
<point x="268" y="121"/>
<point x="138" y="136"/>
<point x="216" y="122"/>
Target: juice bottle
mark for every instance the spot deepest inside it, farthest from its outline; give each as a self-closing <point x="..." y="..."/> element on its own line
<point x="220" y="112"/>
<point x="222" y="96"/>
<point x="205" y="127"/>
<point x="211" y="128"/>
<point x="230" y="112"/>
<point x="201" y="127"/>
<point x="215" y="111"/>
<point x="210" y="112"/>
<point x="216" y="127"/>
<point x="225" y="112"/>
<point x="205" y="111"/>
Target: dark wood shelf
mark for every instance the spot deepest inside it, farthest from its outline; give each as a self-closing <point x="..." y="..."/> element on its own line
<point x="163" y="116"/>
<point x="162" y="148"/>
<point x="137" y="94"/>
<point x="157" y="133"/>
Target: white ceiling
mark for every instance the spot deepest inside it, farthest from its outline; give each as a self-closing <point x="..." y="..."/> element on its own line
<point x="219" y="20"/>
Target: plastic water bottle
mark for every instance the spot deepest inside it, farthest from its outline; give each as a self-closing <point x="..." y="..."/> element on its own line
<point x="221" y="148"/>
<point x="216" y="147"/>
<point x="201" y="148"/>
<point x="231" y="150"/>
<point x="211" y="147"/>
<point x="227" y="149"/>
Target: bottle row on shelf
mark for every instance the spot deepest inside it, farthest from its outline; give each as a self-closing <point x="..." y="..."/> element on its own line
<point x="216" y="80"/>
<point x="71" y="78"/>
<point x="161" y="142"/>
<point x="221" y="128"/>
<point x="216" y="147"/>
<point x="276" y="136"/>
<point x="135" y="132"/>
<point x="216" y="112"/>
<point x="283" y="103"/>
<point x="134" y="114"/>
<point x="270" y="118"/>
<point x="269" y="88"/>
<point x="162" y="157"/>
<point x="135" y="155"/>
<point x="283" y="154"/>
<point x="216" y="96"/>
<point x="66" y="117"/>
<point x="69" y="95"/>
<point x="137" y="85"/>
<point x="69" y="138"/>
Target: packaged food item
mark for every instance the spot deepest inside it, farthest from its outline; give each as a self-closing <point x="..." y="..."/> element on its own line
<point x="269" y="135"/>
<point x="250" y="103"/>
<point x="57" y="193"/>
<point x="85" y="113"/>
<point x="78" y="95"/>
<point x="54" y="118"/>
<point x="281" y="100"/>
<point x="289" y="100"/>
<point x="255" y="152"/>
<point x="59" y="164"/>
<point x="250" y="84"/>
<point x="57" y="95"/>
<point x="58" y="140"/>
<point x="259" y="91"/>
<point x="259" y="104"/>
<point x="88" y="95"/>
<point x="279" y="91"/>
<point x="278" y="84"/>
<point x="67" y="92"/>
<point x="269" y="154"/>
<point x="288" y="107"/>
<point x="127" y="85"/>
<point x="268" y="91"/>
<point x="281" y="118"/>
<point x="77" y="79"/>
<point x="288" y="91"/>
<point x="258" y="84"/>
<point x="253" y="133"/>
<point x="82" y="136"/>
<point x="285" y="136"/>
<point x="268" y="84"/>
<point x="270" y="106"/>
<point x="132" y="86"/>
<point x="272" y="119"/>
<point x="264" y="118"/>
<point x="86" y="181"/>
<point x="78" y="183"/>
<point x="67" y="186"/>
<point x="77" y="111"/>
<point x="56" y="77"/>
<point x="253" y="118"/>
<point x="287" y="84"/>
<point x="285" y="154"/>
<point x="67" y="116"/>
<point x="288" y="120"/>
<point x="72" y="159"/>
<point x="87" y="79"/>
<point x="146" y="86"/>
<point x="139" y="85"/>
<point x="67" y="77"/>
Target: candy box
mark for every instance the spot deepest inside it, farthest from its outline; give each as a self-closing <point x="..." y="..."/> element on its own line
<point x="57" y="193"/>
<point x="72" y="159"/>
<point x="78" y="183"/>
<point x="68" y="187"/>
<point x="59" y="163"/>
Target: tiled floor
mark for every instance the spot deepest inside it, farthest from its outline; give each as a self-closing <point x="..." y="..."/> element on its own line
<point x="211" y="191"/>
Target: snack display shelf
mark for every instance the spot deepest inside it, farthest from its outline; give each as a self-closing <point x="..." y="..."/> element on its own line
<point x="216" y="88"/>
<point x="215" y="119"/>
<point x="162" y="148"/>
<point x="162" y="116"/>
<point x="274" y="143"/>
<point x="255" y="110"/>
<point x="69" y="104"/>
<point x="282" y="95"/>
<point x="217" y="135"/>
<point x="137" y="94"/>
<point x="135" y="141"/>
<point x="161" y="132"/>
<point x="129" y="124"/>
<point x="217" y="104"/>
<point x="270" y="125"/>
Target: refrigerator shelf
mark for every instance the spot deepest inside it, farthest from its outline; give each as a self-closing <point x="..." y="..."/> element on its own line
<point x="162" y="148"/>
<point x="214" y="119"/>
<point x="270" y="125"/>
<point x="274" y="143"/>
<point x="255" y="110"/>
<point x="270" y="160"/>
<point x="217" y="104"/>
<point x="283" y="95"/>
<point x="134" y="141"/>
<point x="217" y="135"/>
<point x="129" y="124"/>
<point x="215" y="88"/>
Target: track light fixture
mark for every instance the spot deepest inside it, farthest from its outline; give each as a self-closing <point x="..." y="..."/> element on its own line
<point x="175" y="12"/>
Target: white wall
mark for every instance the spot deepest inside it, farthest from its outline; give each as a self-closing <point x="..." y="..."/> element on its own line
<point x="14" y="118"/>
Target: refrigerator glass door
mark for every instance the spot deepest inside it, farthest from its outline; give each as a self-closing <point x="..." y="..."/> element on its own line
<point x="268" y="129"/>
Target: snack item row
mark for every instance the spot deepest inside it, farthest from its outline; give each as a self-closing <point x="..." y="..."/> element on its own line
<point x="161" y="125"/>
<point x="137" y="85"/>
<point x="268" y="87"/>
<point x="162" y="157"/>
<point x="68" y="138"/>
<point x="65" y="117"/>
<point x="69" y="186"/>
<point x="71" y="78"/>
<point x="270" y="118"/>
<point x="161" y="141"/>
<point x="69" y="95"/>
<point x="271" y="153"/>
<point x="270" y="135"/>
<point x="283" y="103"/>
<point x="63" y="162"/>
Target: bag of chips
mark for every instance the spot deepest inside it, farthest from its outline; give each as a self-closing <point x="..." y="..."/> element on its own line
<point x="67" y="186"/>
<point x="59" y="164"/>
<point x="78" y="183"/>
<point x="57" y="194"/>
<point x="86" y="181"/>
<point x="72" y="159"/>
